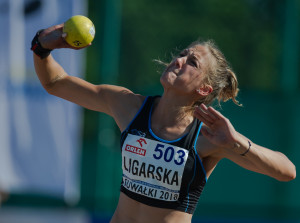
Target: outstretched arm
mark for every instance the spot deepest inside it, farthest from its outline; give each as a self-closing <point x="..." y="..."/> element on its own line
<point x="118" y="102"/>
<point x="239" y="149"/>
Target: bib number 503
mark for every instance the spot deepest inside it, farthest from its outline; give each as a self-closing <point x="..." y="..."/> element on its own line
<point x="169" y="154"/>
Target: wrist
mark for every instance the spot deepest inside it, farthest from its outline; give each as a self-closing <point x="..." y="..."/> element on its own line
<point x="249" y="147"/>
<point x="242" y="145"/>
<point x="37" y="48"/>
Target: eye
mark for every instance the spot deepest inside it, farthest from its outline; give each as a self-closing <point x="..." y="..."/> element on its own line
<point x="193" y="62"/>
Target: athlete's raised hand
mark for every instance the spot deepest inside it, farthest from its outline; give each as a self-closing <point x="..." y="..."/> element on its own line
<point x="217" y="129"/>
<point x="54" y="38"/>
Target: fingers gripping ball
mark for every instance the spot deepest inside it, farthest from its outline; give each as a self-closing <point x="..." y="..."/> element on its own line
<point x="80" y="31"/>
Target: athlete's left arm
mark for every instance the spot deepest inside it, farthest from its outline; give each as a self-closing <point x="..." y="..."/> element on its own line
<point x="239" y="149"/>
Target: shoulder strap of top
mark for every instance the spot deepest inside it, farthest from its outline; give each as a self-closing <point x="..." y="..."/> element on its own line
<point x="141" y="117"/>
<point x="192" y="137"/>
<point x="144" y="110"/>
<point x="143" y="113"/>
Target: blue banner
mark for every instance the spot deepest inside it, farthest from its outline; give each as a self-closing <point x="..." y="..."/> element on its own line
<point x="40" y="135"/>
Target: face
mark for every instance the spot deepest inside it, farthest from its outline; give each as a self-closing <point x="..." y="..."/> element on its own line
<point x="186" y="72"/>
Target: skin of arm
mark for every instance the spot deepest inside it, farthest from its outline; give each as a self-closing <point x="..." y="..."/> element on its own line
<point x="228" y="143"/>
<point x="118" y="102"/>
<point x="260" y="159"/>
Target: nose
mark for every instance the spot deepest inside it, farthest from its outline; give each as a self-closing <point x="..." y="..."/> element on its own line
<point x="180" y="61"/>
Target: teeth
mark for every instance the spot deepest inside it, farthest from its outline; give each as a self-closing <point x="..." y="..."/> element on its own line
<point x="171" y="69"/>
<point x="176" y="72"/>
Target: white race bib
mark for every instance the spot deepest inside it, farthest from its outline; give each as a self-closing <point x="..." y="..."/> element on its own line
<point x="151" y="168"/>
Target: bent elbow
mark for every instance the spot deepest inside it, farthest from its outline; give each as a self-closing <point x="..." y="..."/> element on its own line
<point x="49" y="89"/>
<point x="292" y="176"/>
<point x="52" y="85"/>
<point x="289" y="176"/>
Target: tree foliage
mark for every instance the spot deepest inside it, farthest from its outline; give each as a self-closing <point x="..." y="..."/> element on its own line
<point x="247" y="32"/>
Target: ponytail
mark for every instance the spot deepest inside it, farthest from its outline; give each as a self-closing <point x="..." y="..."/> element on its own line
<point x="219" y="75"/>
<point x="231" y="90"/>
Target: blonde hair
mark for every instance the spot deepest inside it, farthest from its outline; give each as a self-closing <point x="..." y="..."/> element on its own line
<point x="219" y="75"/>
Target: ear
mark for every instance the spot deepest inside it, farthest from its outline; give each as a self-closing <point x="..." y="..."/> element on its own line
<point x="204" y="90"/>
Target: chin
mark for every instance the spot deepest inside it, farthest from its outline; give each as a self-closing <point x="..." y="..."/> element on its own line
<point x="162" y="81"/>
<point x="166" y="79"/>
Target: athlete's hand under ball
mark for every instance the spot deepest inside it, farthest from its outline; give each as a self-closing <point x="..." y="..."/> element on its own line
<point x="54" y="38"/>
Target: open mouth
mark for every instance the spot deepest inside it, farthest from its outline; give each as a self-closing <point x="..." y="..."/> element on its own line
<point x="176" y="71"/>
<point x="173" y="70"/>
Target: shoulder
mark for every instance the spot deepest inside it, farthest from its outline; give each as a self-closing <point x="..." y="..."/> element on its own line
<point x="124" y="104"/>
<point x="117" y="96"/>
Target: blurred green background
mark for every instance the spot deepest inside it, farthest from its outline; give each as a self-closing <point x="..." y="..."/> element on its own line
<point x="260" y="39"/>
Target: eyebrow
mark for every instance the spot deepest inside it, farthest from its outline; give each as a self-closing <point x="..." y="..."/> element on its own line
<point x="193" y="53"/>
<point x="185" y="51"/>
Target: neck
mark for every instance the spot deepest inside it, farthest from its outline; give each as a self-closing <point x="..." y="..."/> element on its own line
<point x="169" y="112"/>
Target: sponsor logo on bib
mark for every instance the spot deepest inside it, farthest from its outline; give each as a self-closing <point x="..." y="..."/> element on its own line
<point x="135" y="150"/>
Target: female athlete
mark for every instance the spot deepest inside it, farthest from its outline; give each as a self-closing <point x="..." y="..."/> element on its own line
<point x="170" y="144"/>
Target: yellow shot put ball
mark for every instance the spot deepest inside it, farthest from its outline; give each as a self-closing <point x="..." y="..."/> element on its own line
<point x="80" y="31"/>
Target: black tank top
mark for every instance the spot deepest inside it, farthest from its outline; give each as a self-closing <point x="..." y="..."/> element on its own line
<point x="157" y="172"/>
